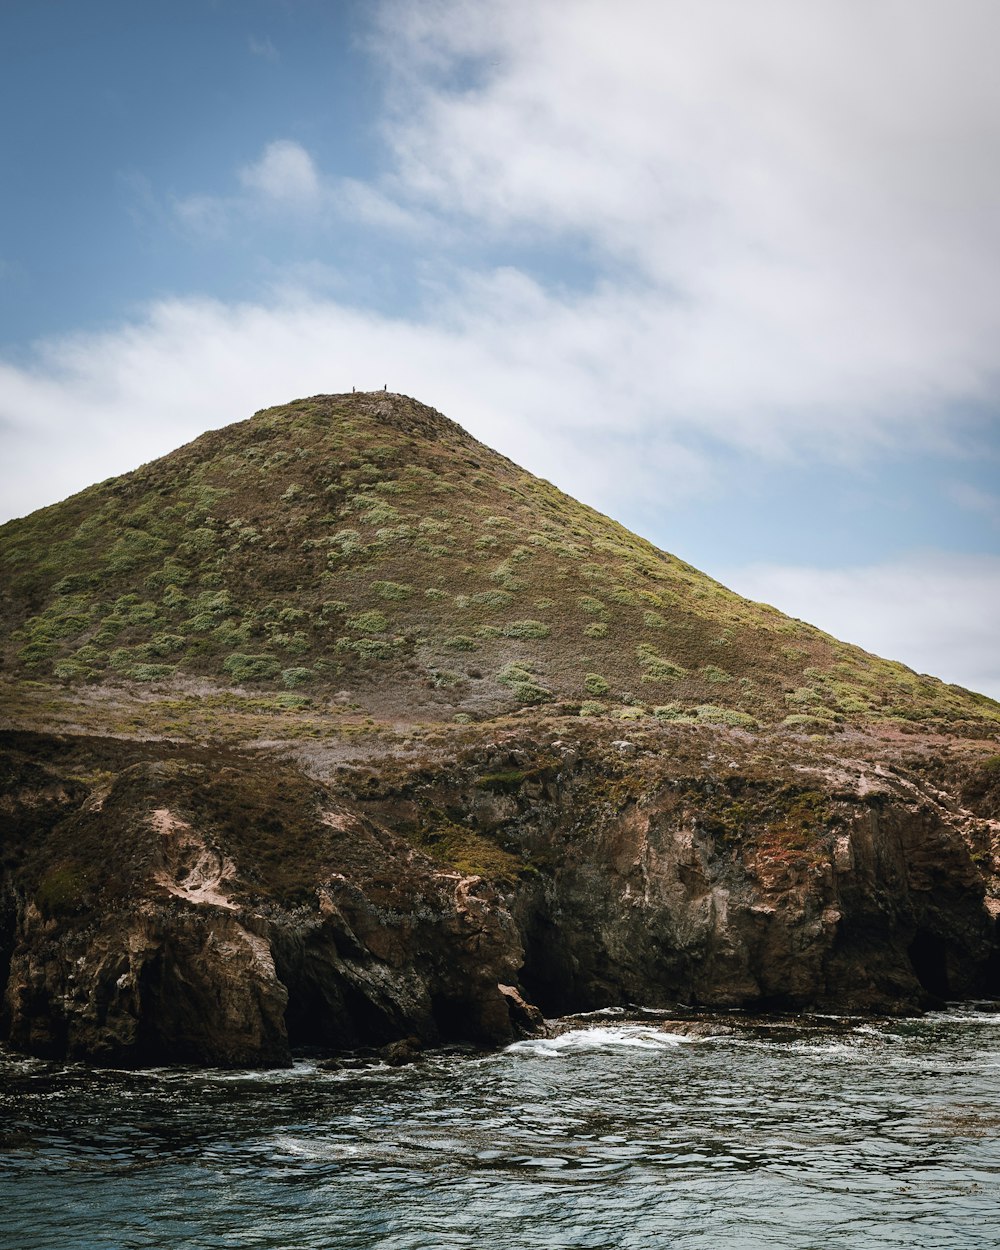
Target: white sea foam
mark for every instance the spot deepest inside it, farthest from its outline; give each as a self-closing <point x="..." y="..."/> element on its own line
<point x="595" y="1039"/>
<point x="306" y="1148"/>
<point x="963" y="1016"/>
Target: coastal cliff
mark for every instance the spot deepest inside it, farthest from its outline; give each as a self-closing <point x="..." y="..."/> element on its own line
<point x="181" y="905"/>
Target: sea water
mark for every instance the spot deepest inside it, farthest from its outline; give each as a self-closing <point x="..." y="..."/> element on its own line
<point x="625" y="1132"/>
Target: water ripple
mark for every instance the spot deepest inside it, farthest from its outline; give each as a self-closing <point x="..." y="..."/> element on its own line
<point x="625" y="1131"/>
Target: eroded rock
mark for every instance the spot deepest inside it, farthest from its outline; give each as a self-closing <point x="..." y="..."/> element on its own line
<point x="215" y="909"/>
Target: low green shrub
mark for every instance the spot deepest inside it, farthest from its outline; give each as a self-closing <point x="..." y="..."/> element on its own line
<point x="251" y="667"/>
<point x="293" y="677"/>
<point x="460" y="642"/>
<point x="526" y="629"/>
<point x="713" y="715"/>
<point x="392" y="590"/>
<point x="523" y="683"/>
<point x="371" y="622"/>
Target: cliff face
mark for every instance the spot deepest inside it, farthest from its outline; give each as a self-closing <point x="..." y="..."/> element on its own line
<point x="194" y="905"/>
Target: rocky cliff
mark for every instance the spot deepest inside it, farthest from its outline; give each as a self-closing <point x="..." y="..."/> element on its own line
<point x="168" y="903"/>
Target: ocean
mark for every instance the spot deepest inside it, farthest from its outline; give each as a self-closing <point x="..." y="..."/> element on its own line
<point x="627" y="1131"/>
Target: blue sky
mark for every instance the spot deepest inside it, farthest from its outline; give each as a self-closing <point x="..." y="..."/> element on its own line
<point x="727" y="272"/>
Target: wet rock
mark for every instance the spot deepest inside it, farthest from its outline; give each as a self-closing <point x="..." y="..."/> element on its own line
<point x="397" y="1054"/>
<point x="526" y="1020"/>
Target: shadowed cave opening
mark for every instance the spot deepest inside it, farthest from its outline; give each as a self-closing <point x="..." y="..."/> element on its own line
<point x="929" y="959"/>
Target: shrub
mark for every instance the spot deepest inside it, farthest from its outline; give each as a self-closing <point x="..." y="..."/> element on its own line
<point x="249" y="667"/>
<point x="366" y="648"/>
<point x="595" y="684"/>
<point x="592" y="606"/>
<point x="217" y="602"/>
<point x="526" y="629"/>
<point x="713" y="715"/>
<point x="63" y="890"/>
<point x="149" y="672"/>
<point x="200" y="623"/>
<point x="350" y="543"/>
<point x="392" y="590"/>
<point x="632" y="713"/>
<point x="89" y="654"/>
<point x="656" y="667"/>
<point x="653" y="620"/>
<point x="523" y="683"/>
<point x="597" y="630"/>
<point x="381" y="514"/>
<point x="505" y="576"/>
<point x="174" y="597"/>
<point x="671" y="711"/>
<point x="292" y="677"/>
<point x="492" y="598"/>
<point x="72" y="670"/>
<point x="591" y="708"/>
<point x="167" y="644"/>
<point x="131" y="549"/>
<point x="133" y="612"/>
<point x="371" y="622"/>
<point x="74" y="582"/>
<point x="293" y="702"/>
<point x="461" y="642"/>
<point x="297" y="643"/>
<point x="170" y="573"/>
<point x="800" y="721"/>
<point x="445" y="678"/>
<point x="717" y="676"/>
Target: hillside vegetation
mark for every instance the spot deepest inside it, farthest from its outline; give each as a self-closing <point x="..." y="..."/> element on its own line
<point x="365" y="548"/>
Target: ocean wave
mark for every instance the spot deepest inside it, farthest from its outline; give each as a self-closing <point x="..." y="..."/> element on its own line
<point x="597" y="1039"/>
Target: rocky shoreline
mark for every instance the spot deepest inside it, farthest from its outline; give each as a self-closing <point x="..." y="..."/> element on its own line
<point x="179" y="904"/>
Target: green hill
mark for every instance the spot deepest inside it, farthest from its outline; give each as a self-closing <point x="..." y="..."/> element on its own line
<point x="366" y="548"/>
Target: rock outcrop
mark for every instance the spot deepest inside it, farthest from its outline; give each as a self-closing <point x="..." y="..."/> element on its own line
<point x="195" y="905"/>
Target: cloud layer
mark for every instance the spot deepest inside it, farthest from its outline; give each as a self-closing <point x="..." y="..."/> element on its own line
<point x="808" y="195"/>
<point x="937" y="614"/>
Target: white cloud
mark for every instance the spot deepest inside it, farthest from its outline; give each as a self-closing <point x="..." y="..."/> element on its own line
<point x="284" y="174"/>
<point x="285" y="182"/>
<point x="282" y="182"/>
<point x="936" y="613"/>
<point x="808" y="194"/>
<point x="794" y="210"/>
<point x="518" y="376"/>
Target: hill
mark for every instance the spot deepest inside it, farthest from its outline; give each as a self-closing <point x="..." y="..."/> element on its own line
<point x="313" y="737"/>
<point x="363" y="550"/>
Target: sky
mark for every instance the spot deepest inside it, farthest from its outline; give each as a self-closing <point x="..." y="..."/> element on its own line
<point x="728" y="272"/>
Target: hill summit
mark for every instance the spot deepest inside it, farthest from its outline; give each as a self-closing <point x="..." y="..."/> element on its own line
<point x="365" y="546"/>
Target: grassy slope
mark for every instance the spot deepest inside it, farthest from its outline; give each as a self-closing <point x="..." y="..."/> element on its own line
<point x="365" y="544"/>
